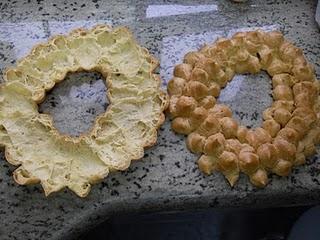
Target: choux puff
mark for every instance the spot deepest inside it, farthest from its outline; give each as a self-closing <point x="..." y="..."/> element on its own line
<point x="183" y="71"/>
<point x="228" y="160"/>
<point x="245" y="62"/>
<point x="213" y="148"/>
<point x="233" y="145"/>
<point x="268" y="155"/>
<point x="176" y="86"/>
<point x="207" y="127"/>
<point x="242" y="134"/>
<point x="277" y="66"/>
<point x="200" y="75"/>
<point x="289" y="134"/>
<point x="306" y="147"/>
<point x="282" y="92"/>
<point x="288" y="105"/>
<point x="288" y="52"/>
<point x="257" y="137"/>
<point x="305" y="94"/>
<point x="265" y="55"/>
<point x="183" y="108"/>
<point x="196" y="89"/>
<point x="207" y="164"/>
<point x="303" y="70"/>
<point x="286" y="155"/>
<point x="215" y="144"/>
<point x="219" y="52"/>
<point x="227" y="164"/>
<point x="273" y="39"/>
<point x="215" y="71"/>
<point x="283" y="79"/>
<point x="193" y="57"/>
<point x="271" y="126"/>
<point x="282" y="116"/>
<point x="229" y="127"/>
<point x="297" y="123"/>
<point x="220" y="111"/>
<point x="307" y="114"/>
<point x="249" y="163"/>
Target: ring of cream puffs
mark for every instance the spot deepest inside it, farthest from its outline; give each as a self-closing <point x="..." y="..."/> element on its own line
<point x="290" y="128"/>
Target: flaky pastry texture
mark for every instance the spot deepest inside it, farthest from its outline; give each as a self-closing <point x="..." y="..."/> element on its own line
<point x="291" y="126"/>
<point x="118" y="136"/>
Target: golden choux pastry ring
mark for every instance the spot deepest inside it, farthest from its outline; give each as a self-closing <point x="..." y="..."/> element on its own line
<point x="291" y="126"/>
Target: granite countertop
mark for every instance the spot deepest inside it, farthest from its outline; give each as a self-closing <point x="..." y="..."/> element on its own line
<point x="167" y="178"/>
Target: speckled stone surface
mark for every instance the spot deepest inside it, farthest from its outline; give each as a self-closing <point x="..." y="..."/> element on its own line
<point x="167" y="177"/>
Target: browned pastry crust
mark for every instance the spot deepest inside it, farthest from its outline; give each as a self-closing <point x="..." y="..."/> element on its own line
<point x="291" y="125"/>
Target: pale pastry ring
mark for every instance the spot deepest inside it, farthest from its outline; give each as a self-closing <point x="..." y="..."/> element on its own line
<point x="119" y="135"/>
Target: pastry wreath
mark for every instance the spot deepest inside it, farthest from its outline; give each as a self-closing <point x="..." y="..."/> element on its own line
<point x="291" y="126"/>
<point x="118" y="136"/>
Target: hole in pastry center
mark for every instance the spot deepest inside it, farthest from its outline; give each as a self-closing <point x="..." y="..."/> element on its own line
<point x="75" y="103"/>
<point x="248" y="95"/>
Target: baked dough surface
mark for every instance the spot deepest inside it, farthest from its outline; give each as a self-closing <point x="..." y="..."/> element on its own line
<point x="118" y="136"/>
<point x="291" y="126"/>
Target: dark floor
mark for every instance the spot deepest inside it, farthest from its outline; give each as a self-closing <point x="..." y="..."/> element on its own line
<point x="243" y="224"/>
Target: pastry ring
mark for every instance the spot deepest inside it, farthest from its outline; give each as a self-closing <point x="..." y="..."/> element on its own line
<point x="291" y="125"/>
<point x="118" y="136"/>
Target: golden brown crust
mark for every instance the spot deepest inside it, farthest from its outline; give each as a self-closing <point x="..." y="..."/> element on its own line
<point x="118" y="136"/>
<point x="268" y="155"/>
<point x="290" y="128"/>
<point x="259" y="178"/>
<point x="206" y="164"/>
<point x="183" y="71"/>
